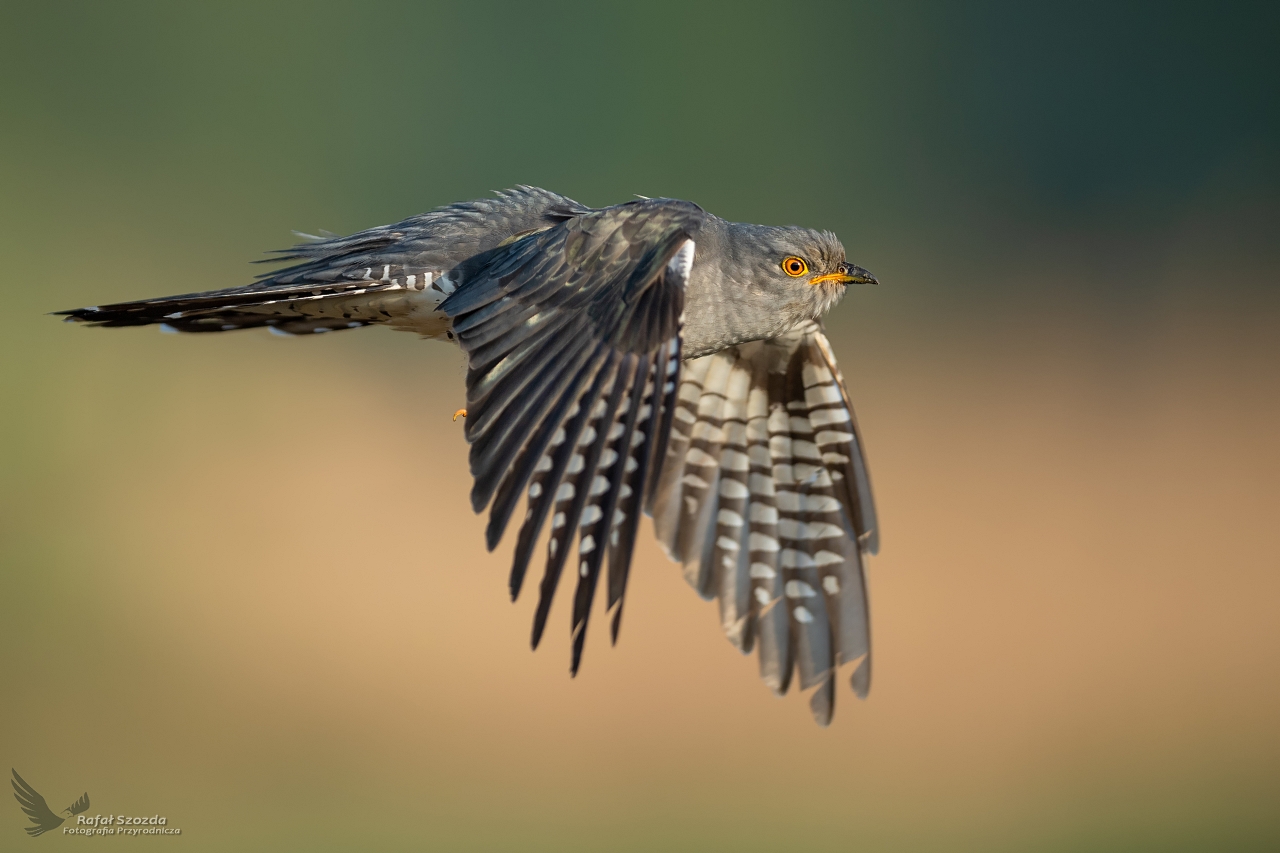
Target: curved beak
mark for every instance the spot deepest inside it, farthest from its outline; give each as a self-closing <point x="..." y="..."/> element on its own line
<point x="855" y="274"/>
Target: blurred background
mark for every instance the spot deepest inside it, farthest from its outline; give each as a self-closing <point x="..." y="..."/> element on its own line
<point x="240" y="584"/>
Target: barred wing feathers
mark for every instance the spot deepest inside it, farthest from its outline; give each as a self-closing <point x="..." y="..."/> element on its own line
<point x="572" y="338"/>
<point x="765" y="499"/>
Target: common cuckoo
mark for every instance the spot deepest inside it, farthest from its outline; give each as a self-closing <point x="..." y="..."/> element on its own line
<point x="645" y="356"/>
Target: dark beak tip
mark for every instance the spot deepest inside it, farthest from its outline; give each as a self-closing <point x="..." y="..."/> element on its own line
<point x="859" y="275"/>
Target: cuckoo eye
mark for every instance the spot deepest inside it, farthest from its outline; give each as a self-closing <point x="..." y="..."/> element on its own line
<point x="794" y="266"/>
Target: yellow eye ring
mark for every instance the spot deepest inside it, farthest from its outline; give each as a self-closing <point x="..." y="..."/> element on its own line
<point x="794" y="267"/>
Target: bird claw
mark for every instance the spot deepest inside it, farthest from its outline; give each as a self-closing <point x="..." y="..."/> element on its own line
<point x="459" y="413"/>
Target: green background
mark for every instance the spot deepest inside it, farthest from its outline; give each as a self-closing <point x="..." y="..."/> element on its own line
<point x="239" y="582"/>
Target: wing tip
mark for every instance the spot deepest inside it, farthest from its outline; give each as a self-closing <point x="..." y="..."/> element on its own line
<point x="870" y="541"/>
<point x="615" y="624"/>
<point x="822" y="704"/>
<point x="860" y="680"/>
<point x="579" y="642"/>
<point x="479" y="500"/>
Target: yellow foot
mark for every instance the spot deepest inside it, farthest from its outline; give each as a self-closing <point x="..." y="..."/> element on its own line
<point x="461" y="413"/>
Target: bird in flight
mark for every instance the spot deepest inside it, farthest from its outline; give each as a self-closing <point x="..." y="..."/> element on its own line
<point x="644" y="357"/>
<point x="38" y="810"/>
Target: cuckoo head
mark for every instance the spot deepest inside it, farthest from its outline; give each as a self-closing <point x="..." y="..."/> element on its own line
<point x="800" y="267"/>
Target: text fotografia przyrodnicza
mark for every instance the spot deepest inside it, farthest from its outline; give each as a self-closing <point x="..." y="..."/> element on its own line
<point x="101" y="824"/>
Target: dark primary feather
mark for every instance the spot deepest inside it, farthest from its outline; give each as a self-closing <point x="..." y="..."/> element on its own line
<point x="572" y="339"/>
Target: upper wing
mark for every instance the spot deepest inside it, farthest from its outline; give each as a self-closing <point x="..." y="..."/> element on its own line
<point x="765" y="498"/>
<point x="572" y="338"/>
<point x="34" y="805"/>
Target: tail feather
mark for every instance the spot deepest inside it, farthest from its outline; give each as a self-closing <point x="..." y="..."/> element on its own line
<point x="402" y="299"/>
<point x="293" y="310"/>
<point x="339" y="283"/>
<point x="394" y="274"/>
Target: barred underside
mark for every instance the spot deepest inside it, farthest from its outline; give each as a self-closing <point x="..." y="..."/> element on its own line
<point x="765" y="499"/>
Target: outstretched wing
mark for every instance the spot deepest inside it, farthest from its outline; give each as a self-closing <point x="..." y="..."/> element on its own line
<point x="765" y="499"/>
<point x="572" y="337"/>
<point x="35" y="806"/>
